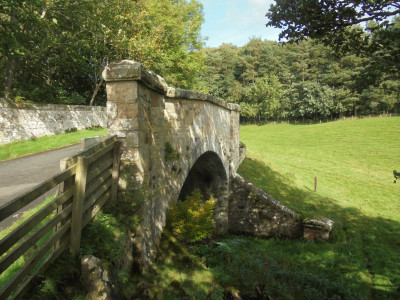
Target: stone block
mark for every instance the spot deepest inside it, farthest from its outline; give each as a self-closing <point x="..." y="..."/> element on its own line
<point x="96" y="278"/>
<point x="112" y="110"/>
<point x="122" y="92"/>
<point x="317" y="228"/>
<point x="132" y="140"/>
<point x="129" y="124"/>
<point x="156" y="99"/>
<point x="123" y="70"/>
<point x="127" y="111"/>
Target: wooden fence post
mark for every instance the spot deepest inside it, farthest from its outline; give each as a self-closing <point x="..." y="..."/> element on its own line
<point x="115" y="171"/>
<point x="64" y="186"/>
<point x="315" y="183"/>
<point x="78" y="204"/>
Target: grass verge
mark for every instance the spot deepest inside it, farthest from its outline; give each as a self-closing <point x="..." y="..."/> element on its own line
<point x="21" y="148"/>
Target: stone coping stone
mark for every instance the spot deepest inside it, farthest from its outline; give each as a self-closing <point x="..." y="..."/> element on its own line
<point x="7" y="104"/>
<point x="129" y="70"/>
<point x="322" y="224"/>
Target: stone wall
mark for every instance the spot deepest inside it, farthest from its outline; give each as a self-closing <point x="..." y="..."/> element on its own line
<point x="253" y="212"/>
<point x="170" y="138"/>
<point x="33" y="121"/>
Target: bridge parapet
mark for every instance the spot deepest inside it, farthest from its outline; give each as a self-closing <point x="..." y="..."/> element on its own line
<point x="173" y="140"/>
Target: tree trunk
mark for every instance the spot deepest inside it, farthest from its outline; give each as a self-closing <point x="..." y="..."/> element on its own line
<point x="10" y="73"/>
<point x="96" y="90"/>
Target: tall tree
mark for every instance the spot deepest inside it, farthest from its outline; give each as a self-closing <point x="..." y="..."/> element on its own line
<point x="53" y="49"/>
<point x="316" y="19"/>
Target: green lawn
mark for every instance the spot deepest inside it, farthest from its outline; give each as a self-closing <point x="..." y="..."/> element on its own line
<point x="21" y="148"/>
<point x="353" y="161"/>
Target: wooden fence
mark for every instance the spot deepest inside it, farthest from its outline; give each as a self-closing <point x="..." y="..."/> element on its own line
<point x="88" y="180"/>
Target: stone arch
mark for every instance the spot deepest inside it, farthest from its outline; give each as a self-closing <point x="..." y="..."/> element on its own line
<point x="210" y="175"/>
<point x="207" y="174"/>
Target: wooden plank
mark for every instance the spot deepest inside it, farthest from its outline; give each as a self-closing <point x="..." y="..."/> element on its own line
<point x="93" y="185"/>
<point x="78" y="203"/>
<point x="31" y="263"/>
<point x="90" y="213"/>
<point x="8" y="241"/>
<point x="96" y="171"/>
<point x="100" y="153"/>
<point x="13" y="255"/>
<point x="101" y="160"/>
<point x="19" y="202"/>
<point x="46" y="264"/>
<point x="64" y="186"/>
<point x="100" y="191"/>
<point x="74" y="159"/>
<point x="115" y="170"/>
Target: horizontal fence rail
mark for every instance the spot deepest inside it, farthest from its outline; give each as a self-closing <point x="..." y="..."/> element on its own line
<point x="88" y="180"/>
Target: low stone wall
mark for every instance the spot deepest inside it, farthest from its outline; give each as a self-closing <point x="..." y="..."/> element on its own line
<point x="253" y="212"/>
<point x="33" y="121"/>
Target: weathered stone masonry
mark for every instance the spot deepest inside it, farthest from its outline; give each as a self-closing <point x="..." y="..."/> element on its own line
<point x="151" y="117"/>
<point x="176" y="140"/>
<point x="33" y="121"/>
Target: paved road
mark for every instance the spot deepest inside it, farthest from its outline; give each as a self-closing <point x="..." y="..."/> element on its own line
<point x="19" y="175"/>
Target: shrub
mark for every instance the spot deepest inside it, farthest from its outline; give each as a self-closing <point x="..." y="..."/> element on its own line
<point x="191" y="220"/>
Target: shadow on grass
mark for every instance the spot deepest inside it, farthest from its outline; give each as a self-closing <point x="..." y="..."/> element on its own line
<point x="360" y="261"/>
<point x="363" y="250"/>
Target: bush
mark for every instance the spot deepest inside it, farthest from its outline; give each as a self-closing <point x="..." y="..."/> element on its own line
<point x="191" y="220"/>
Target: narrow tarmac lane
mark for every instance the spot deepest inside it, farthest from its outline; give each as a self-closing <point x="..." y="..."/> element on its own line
<point x="19" y="175"/>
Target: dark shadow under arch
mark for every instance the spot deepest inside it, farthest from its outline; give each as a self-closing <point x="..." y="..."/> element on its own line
<point x="207" y="174"/>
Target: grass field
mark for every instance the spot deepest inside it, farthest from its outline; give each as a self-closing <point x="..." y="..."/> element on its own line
<point x="353" y="161"/>
<point x="21" y="148"/>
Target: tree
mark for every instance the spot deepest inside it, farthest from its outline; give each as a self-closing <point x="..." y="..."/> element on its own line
<point x="317" y="101"/>
<point x="54" y="50"/>
<point x="316" y="19"/>
<point x="335" y="24"/>
<point x="219" y="70"/>
<point x="338" y="25"/>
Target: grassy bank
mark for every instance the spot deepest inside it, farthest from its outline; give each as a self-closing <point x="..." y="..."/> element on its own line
<point x="353" y="161"/>
<point x="21" y="148"/>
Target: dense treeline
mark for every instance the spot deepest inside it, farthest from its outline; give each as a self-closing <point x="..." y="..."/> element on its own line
<point x="304" y="80"/>
<point x="55" y="50"/>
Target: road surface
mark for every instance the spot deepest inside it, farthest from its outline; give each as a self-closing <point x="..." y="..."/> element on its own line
<point x="17" y="176"/>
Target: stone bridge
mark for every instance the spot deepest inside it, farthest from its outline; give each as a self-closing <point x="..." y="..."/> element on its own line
<point x="175" y="140"/>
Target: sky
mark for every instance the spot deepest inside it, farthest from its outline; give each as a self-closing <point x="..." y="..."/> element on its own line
<point x="236" y="21"/>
